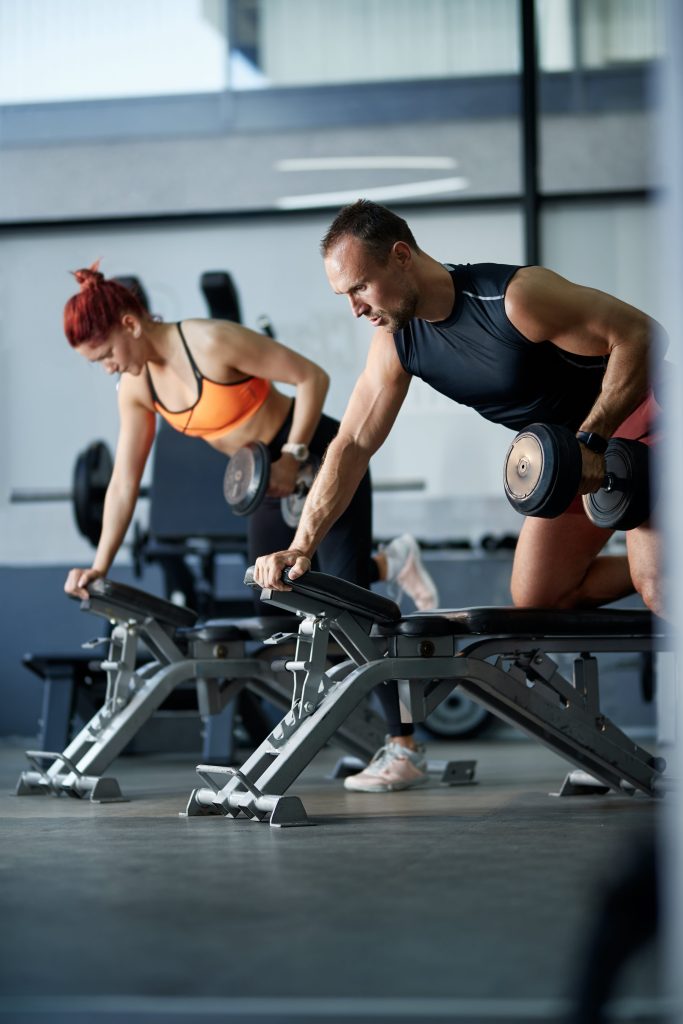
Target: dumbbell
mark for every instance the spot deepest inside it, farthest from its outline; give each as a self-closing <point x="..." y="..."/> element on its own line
<point x="246" y="481"/>
<point x="543" y="469"/>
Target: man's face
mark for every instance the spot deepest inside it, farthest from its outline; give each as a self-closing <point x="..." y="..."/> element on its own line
<point x="383" y="293"/>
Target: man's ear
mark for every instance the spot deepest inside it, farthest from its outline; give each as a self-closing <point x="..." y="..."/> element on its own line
<point x="402" y="253"/>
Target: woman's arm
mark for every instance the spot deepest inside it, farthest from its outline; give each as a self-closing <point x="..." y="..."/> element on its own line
<point x="257" y="355"/>
<point x="136" y="435"/>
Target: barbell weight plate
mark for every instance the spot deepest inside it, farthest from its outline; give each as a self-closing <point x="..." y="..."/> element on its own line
<point x="246" y="478"/>
<point x="92" y="474"/>
<point x="542" y="470"/>
<point x="292" y="505"/>
<point x="625" y="503"/>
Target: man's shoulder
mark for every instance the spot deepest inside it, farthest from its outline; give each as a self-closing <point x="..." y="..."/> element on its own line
<point x="384" y="341"/>
<point x="533" y="282"/>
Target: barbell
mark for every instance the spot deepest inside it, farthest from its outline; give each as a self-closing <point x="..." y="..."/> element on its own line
<point x="91" y="476"/>
<point x="246" y="481"/>
<point x="543" y="469"/>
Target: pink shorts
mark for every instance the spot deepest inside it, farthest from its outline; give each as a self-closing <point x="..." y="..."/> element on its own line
<point x="644" y="424"/>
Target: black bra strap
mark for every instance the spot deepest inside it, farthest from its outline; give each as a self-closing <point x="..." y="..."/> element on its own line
<point x="153" y="390"/>
<point x="194" y="366"/>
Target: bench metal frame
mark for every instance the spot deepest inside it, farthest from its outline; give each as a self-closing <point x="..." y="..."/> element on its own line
<point x="522" y="684"/>
<point x="221" y="657"/>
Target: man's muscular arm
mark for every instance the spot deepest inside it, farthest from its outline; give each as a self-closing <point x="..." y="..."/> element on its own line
<point x="370" y="414"/>
<point x="546" y="307"/>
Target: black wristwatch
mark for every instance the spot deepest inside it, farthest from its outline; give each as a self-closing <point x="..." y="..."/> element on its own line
<point x="592" y="441"/>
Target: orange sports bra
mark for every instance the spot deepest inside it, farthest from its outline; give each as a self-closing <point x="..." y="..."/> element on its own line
<point x="219" y="407"/>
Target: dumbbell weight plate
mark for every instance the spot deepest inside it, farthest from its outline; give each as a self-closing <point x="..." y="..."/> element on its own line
<point x="293" y="503"/>
<point x="246" y="478"/>
<point x="626" y="503"/>
<point x="542" y="470"/>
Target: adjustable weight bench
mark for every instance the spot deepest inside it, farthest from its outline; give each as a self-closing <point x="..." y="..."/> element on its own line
<point x="221" y="656"/>
<point x="499" y="657"/>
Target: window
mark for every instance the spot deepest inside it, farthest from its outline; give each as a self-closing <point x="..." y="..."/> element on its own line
<point x="57" y="50"/>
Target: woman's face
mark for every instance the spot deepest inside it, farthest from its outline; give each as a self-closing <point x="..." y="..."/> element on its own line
<point x="118" y="352"/>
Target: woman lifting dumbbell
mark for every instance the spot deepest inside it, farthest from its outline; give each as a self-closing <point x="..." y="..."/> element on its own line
<point x="214" y="379"/>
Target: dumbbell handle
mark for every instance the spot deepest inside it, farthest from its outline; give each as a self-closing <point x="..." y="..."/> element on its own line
<point x="611" y="481"/>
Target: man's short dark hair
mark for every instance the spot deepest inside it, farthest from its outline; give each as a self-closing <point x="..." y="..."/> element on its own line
<point x="374" y="225"/>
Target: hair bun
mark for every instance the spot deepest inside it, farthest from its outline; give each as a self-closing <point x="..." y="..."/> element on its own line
<point x="89" y="277"/>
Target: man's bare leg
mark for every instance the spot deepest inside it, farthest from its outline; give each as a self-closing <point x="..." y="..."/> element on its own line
<point x="645" y="559"/>
<point x="557" y="565"/>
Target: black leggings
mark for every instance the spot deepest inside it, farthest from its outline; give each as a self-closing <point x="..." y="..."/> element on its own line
<point x="345" y="552"/>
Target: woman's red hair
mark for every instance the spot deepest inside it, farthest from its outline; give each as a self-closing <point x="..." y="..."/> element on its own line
<point x="97" y="308"/>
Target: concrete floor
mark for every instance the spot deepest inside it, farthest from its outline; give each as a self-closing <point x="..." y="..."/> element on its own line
<point x="451" y="904"/>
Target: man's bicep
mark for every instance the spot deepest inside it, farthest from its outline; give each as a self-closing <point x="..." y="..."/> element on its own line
<point x="544" y="306"/>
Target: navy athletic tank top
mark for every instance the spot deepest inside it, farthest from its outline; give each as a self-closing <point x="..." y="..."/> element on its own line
<point x="477" y="358"/>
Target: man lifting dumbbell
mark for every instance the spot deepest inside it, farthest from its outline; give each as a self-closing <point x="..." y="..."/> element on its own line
<point x="543" y="470"/>
<point x="520" y="345"/>
<point x="213" y="379"/>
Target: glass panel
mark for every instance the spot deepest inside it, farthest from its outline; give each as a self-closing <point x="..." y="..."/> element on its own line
<point x="56" y="50"/>
<point x="616" y="32"/>
<point x="316" y="42"/>
<point x="597" y="58"/>
<point x="396" y="100"/>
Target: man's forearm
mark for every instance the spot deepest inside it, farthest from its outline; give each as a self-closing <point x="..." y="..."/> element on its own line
<point x="342" y="470"/>
<point x="625" y="385"/>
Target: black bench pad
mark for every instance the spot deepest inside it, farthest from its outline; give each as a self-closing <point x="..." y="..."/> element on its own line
<point x="340" y="593"/>
<point x="484" y="621"/>
<point x="121" y="598"/>
<point x="526" y="622"/>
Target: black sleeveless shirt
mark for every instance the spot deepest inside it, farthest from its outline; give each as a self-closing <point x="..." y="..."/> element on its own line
<point x="477" y="358"/>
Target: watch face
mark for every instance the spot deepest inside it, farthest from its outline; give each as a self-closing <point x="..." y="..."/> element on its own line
<point x="299" y="451"/>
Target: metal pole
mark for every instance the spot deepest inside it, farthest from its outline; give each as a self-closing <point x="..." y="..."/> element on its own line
<point x="671" y="270"/>
<point x="529" y="82"/>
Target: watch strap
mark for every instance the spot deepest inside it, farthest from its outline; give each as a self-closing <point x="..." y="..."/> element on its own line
<point x="299" y="451"/>
<point x="592" y="441"/>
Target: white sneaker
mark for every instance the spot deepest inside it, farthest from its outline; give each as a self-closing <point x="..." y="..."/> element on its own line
<point x="405" y="568"/>
<point x="393" y="767"/>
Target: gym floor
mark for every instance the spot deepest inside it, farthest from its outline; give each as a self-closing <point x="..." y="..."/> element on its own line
<point x="461" y="904"/>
